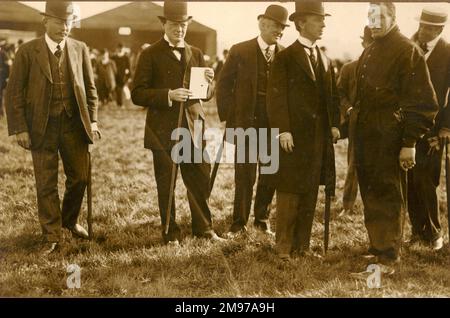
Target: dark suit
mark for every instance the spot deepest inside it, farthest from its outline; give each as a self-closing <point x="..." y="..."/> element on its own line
<point x="306" y="104"/>
<point x="159" y="70"/>
<point x="423" y="204"/>
<point x="241" y="103"/>
<point x="31" y="107"/>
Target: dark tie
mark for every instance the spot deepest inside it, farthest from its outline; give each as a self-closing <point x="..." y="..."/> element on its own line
<point x="424" y="47"/>
<point x="58" y="52"/>
<point x="268" y="55"/>
<point x="312" y="57"/>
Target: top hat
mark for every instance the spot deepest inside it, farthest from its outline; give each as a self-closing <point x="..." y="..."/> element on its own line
<point x="175" y="11"/>
<point x="367" y="37"/>
<point x="276" y="13"/>
<point x="308" y="7"/>
<point x="63" y="10"/>
<point x="433" y="16"/>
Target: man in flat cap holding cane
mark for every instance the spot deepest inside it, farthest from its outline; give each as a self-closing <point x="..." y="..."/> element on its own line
<point x="161" y="84"/>
<point x="51" y="105"/>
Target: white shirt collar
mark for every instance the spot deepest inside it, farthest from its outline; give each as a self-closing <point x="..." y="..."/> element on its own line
<point x="52" y="44"/>
<point x="306" y="42"/>
<point x="263" y="45"/>
<point x="180" y="45"/>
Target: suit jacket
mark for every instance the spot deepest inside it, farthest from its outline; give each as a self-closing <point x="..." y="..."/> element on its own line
<point x="293" y="105"/>
<point x="236" y="86"/>
<point x="158" y="71"/>
<point x="29" y="89"/>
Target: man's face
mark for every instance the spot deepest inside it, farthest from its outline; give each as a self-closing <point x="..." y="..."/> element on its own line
<point x="428" y="33"/>
<point x="312" y="27"/>
<point x="175" y="31"/>
<point x="57" y="29"/>
<point x="379" y="21"/>
<point x="271" y="31"/>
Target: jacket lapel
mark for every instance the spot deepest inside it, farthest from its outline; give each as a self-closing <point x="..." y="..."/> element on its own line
<point x="436" y="55"/>
<point x="301" y="58"/>
<point x="42" y="59"/>
<point x="73" y="58"/>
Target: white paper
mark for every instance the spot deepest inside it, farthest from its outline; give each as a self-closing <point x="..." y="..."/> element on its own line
<point x="198" y="83"/>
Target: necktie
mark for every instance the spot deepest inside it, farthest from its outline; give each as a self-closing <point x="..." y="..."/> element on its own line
<point x="424" y="47"/>
<point x="58" y="51"/>
<point x="312" y="57"/>
<point x="268" y="55"/>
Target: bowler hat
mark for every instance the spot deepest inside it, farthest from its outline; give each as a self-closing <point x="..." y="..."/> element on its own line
<point x="276" y="13"/>
<point x="63" y="10"/>
<point x="433" y="16"/>
<point x="175" y="11"/>
<point x="308" y="7"/>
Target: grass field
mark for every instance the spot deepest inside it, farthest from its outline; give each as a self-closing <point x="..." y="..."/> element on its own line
<point x="127" y="259"/>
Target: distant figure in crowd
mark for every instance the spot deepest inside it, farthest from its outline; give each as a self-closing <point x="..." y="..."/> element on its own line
<point x="395" y="106"/>
<point x="241" y="101"/>
<point x="218" y="67"/>
<point x="160" y="82"/>
<point x="424" y="178"/>
<point x="4" y="72"/>
<point x="122" y="61"/>
<point x="61" y="123"/>
<point x="347" y="90"/>
<point x="106" y="81"/>
<point x="303" y="103"/>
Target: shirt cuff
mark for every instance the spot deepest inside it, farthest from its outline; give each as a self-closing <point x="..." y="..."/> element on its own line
<point x="94" y="126"/>
<point x="282" y="134"/>
<point x="169" y="101"/>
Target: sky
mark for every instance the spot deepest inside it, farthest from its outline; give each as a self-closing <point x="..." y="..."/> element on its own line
<point x="237" y="21"/>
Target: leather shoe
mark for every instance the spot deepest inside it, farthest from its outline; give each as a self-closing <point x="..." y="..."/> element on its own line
<point x="214" y="237"/>
<point x="438" y="244"/>
<point x="79" y="232"/>
<point x="49" y="248"/>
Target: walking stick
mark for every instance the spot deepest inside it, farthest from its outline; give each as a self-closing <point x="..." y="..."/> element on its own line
<point x="89" y="194"/>
<point x="217" y="163"/>
<point x="447" y="181"/>
<point x="173" y="177"/>
<point x="326" y="232"/>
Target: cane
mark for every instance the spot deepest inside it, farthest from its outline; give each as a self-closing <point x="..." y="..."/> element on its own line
<point x="447" y="182"/>
<point x="89" y="193"/>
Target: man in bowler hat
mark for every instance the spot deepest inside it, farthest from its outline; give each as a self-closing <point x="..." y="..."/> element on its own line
<point x="160" y="84"/>
<point x="424" y="178"/>
<point x="241" y="101"/>
<point x="51" y="105"/>
<point x="303" y="103"/>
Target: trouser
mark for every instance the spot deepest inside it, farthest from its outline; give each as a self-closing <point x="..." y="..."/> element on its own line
<point x="351" y="179"/>
<point x="295" y="216"/>
<point x="244" y="178"/>
<point x="1" y="101"/>
<point x="65" y="136"/>
<point x="119" y="94"/>
<point x="383" y="191"/>
<point x="196" y="179"/>
<point x="423" y="206"/>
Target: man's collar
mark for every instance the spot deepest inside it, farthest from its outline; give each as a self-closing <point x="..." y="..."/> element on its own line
<point x="393" y="29"/>
<point x="263" y="45"/>
<point x="52" y="44"/>
<point x="306" y="42"/>
<point x="166" y="38"/>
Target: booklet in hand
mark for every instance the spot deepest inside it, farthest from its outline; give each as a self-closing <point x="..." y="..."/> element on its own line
<point x="198" y="83"/>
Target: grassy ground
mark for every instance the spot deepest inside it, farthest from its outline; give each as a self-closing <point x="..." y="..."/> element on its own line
<point x="127" y="258"/>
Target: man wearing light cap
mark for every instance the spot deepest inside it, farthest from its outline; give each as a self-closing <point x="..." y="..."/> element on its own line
<point x="424" y="178"/>
<point x="241" y="101"/>
<point x="51" y="106"/>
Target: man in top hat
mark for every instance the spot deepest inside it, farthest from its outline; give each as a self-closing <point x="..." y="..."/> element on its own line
<point x="424" y="178"/>
<point x="241" y="101"/>
<point x="395" y="106"/>
<point x="303" y="104"/>
<point x="51" y="105"/>
<point x="346" y="84"/>
<point x="161" y="84"/>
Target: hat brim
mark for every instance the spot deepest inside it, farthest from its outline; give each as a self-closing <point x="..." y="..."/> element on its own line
<point x="175" y="19"/>
<point x="296" y="14"/>
<point x="430" y="23"/>
<point x="273" y="19"/>
<point x="71" y="17"/>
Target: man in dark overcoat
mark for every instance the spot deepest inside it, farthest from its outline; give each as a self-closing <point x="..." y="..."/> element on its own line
<point x="241" y="101"/>
<point x="395" y="106"/>
<point x="303" y="104"/>
<point x="424" y="178"/>
<point x="51" y="106"/>
<point x="161" y="84"/>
